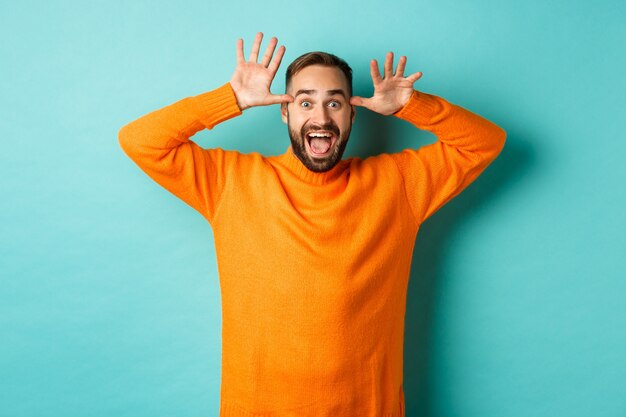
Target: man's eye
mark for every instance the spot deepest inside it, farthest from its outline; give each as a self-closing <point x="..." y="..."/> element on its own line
<point x="305" y="104"/>
<point x="333" y="104"/>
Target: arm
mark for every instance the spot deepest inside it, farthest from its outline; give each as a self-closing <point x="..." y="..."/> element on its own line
<point x="159" y="142"/>
<point x="436" y="173"/>
<point x="467" y="143"/>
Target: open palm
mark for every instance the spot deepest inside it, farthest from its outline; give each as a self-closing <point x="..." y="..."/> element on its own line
<point x="392" y="92"/>
<point x="251" y="80"/>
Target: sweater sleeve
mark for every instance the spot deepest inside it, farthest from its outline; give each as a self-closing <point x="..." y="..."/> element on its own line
<point x="467" y="143"/>
<point x="159" y="144"/>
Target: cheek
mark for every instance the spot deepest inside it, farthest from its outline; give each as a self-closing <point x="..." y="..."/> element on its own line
<point x="345" y="121"/>
<point x="297" y="122"/>
<point x="295" y="125"/>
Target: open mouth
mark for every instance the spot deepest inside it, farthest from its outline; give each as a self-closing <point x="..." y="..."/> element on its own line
<point x="320" y="143"/>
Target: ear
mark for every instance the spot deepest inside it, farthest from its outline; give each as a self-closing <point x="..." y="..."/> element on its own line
<point x="283" y="112"/>
<point x="353" y="113"/>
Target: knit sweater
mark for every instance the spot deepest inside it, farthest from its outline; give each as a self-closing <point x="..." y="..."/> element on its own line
<point x="313" y="267"/>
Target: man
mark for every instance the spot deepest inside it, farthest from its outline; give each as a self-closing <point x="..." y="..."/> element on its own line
<point x="313" y="251"/>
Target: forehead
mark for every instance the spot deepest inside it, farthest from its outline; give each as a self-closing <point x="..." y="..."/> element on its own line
<point x="319" y="77"/>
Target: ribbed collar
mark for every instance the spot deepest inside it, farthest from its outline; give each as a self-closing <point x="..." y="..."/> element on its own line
<point x="290" y="161"/>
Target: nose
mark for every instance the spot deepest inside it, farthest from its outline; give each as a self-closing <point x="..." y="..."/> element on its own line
<point x="320" y="116"/>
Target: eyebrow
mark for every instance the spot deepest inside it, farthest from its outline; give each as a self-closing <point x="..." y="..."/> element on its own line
<point x="337" y="91"/>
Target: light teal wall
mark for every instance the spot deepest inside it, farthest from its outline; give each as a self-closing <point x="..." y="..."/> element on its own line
<point x="109" y="295"/>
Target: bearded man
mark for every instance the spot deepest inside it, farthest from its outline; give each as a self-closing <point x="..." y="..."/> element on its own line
<point x="313" y="251"/>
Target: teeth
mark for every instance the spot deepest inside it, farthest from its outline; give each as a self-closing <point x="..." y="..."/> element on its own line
<point x="319" y="135"/>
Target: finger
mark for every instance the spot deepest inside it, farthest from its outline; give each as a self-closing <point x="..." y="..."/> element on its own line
<point x="254" y="54"/>
<point x="240" y="57"/>
<point x="389" y="65"/>
<point x="359" y="101"/>
<point x="374" y="71"/>
<point x="415" y="77"/>
<point x="269" y="52"/>
<point x="279" y="98"/>
<point x="401" y="66"/>
<point x="277" y="59"/>
<point x="356" y="101"/>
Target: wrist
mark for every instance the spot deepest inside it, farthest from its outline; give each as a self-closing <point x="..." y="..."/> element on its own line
<point x="240" y="103"/>
<point x="215" y="106"/>
<point x="404" y="101"/>
<point x="422" y="108"/>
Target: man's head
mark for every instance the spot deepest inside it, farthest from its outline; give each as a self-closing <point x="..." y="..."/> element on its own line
<point x="320" y="118"/>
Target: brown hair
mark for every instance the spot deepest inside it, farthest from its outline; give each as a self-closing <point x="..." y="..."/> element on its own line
<point x="319" y="58"/>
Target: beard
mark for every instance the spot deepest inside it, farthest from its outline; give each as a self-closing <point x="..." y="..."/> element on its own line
<point x="318" y="164"/>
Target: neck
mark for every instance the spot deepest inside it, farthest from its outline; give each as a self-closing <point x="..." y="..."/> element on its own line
<point x="291" y="161"/>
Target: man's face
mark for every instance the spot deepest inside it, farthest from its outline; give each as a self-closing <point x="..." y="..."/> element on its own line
<point x="320" y="118"/>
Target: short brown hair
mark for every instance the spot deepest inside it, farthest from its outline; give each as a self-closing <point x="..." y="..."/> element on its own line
<point x="319" y="58"/>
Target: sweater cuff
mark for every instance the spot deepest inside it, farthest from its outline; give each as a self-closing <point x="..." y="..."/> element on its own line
<point x="422" y="109"/>
<point x="217" y="105"/>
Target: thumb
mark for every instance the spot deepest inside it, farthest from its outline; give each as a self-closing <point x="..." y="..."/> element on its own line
<point x="279" y="98"/>
<point x="359" y="101"/>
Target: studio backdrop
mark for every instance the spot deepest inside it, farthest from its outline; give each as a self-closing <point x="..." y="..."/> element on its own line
<point x="109" y="292"/>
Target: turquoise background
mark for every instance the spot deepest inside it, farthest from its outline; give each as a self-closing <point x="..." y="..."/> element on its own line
<point x="109" y="294"/>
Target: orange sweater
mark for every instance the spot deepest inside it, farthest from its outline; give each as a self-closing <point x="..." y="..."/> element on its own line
<point x="313" y="267"/>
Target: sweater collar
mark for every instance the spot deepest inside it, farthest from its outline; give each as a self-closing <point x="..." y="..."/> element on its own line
<point x="297" y="168"/>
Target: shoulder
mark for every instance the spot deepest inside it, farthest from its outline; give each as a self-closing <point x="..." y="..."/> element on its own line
<point x="236" y="155"/>
<point x="382" y="162"/>
<point x="243" y="161"/>
<point x="380" y="167"/>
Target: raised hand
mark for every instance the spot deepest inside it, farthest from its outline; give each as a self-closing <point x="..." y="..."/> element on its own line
<point x="392" y="92"/>
<point x="251" y="81"/>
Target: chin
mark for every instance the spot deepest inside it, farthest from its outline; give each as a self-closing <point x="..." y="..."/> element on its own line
<point x="315" y="162"/>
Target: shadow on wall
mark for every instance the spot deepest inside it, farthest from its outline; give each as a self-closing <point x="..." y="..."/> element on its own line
<point x="428" y="262"/>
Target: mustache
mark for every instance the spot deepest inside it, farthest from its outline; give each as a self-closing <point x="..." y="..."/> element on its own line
<point x="329" y="127"/>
